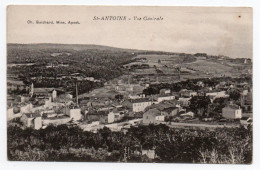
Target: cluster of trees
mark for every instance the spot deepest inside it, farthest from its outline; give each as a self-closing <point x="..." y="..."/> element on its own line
<point x="101" y="64"/>
<point x="70" y="143"/>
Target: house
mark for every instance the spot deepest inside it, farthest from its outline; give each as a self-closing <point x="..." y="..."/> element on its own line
<point x="117" y="114"/>
<point x="152" y="116"/>
<point x="137" y="105"/>
<point x="232" y="111"/>
<point x="97" y="116"/>
<point x="164" y="97"/>
<point x="74" y="113"/>
<point x="92" y="115"/>
<point x="33" y="120"/>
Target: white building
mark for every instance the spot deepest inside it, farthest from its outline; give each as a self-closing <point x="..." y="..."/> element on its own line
<point x="114" y="116"/>
<point x="75" y="113"/>
<point x="232" y="112"/>
<point x="140" y="106"/>
<point x="162" y="98"/>
<point x="137" y="105"/>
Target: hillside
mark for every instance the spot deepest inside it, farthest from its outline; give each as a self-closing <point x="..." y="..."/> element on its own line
<point x="77" y="47"/>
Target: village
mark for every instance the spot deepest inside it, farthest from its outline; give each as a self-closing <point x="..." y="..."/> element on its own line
<point x="119" y="105"/>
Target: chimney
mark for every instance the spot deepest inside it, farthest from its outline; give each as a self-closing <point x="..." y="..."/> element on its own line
<point x="77" y="99"/>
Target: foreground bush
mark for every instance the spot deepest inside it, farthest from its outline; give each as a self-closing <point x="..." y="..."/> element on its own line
<point x="63" y="143"/>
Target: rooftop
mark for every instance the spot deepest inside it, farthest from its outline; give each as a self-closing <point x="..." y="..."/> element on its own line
<point x="233" y="106"/>
<point x="154" y="111"/>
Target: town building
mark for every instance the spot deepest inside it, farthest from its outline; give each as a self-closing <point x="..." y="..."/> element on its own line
<point x="152" y="116"/>
<point x="137" y="105"/>
<point x="232" y="111"/>
<point x="117" y="114"/>
<point x="74" y="113"/>
<point x="164" y="97"/>
<point x="97" y="116"/>
<point x="33" y="120"/>
<point x="43" y="93"/>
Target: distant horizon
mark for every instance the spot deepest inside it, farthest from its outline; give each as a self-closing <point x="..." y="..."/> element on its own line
<point x="126" y="49"/>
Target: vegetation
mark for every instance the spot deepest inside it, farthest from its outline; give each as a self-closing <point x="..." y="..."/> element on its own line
<point x="45" y="64"/>
<point x="192" y="84"/>
<point x="70" y="143"/>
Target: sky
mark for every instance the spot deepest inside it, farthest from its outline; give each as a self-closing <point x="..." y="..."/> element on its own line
<point x="211" y="30"/>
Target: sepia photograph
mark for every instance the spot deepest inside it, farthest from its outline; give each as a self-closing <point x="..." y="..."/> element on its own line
<point x="129" y="84"/>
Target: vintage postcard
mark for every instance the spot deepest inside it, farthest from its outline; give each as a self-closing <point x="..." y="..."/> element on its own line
<point x="129" y="84"/>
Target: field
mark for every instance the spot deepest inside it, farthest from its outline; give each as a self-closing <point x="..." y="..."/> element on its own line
<point x="178" y="67"/>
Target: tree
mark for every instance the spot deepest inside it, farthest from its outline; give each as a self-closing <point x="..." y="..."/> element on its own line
<point x="199" y="104"/>
<point x="234" y="95"/>
<point x="119" y="97"/>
